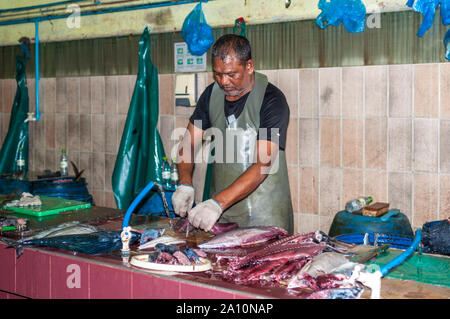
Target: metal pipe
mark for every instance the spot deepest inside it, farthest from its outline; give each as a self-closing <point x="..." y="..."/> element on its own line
<point x="39" y="6"/>
<point x="50" y="10"/>
<point x="102" y="11"/>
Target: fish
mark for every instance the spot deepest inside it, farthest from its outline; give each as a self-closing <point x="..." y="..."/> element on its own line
<point x="274" y="265"/>
<point x="70" y="228"/>
<point x="183" y="226"/>
<point x="245" y="236"/>
<point x="167" y="248"/>
<point x="153" y="256"/>
<point x="181" y="258"/>
<point x="150" y="234"/>
<point x="164" y="252"/>
<point x="165" y="258"/>
<point x="192" y="255"/>
<point x="165" y="239"/>
<point x="92" y="244"/>
<point x="220" y="228"/>
<point x="324" y="263"/>
<point x="338" y="293"/>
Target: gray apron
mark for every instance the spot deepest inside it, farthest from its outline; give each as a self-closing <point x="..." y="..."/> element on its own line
<point x="270" y="203"/>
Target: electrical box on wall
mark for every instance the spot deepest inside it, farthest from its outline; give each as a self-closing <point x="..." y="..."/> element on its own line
<point x="185" y="61"/>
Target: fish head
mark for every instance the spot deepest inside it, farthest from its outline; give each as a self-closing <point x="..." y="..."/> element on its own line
<point x="150" y="234"/>
<point x="134" y="237"/>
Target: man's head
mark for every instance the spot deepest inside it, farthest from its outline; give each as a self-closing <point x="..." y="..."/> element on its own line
<point x="233" y="66"/>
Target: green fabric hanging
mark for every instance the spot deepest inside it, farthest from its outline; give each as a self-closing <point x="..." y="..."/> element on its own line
<point x="17" y="135"/>
<point x="140" y="154"/>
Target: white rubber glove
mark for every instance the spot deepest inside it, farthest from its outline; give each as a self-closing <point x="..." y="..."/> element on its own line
<point x="205" y="214"/>
<point x="183" y="199"/>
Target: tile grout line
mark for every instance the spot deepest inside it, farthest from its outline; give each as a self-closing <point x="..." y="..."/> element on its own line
<point x="413" y="164"/>
<point x="341" y="163"/>
<point x="439" y="146"/>
<point x="364" y="132"/>
<point x="319" y="136"/>
<point x="298" y="152"/>
<point x="388" y="78"/>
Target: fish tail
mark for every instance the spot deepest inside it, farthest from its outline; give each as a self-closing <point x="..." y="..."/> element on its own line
<point x="16" y="244"/>
<point x="19" y="251"/>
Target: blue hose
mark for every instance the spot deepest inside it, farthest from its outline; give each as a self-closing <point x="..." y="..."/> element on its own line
<point x="135" y="202"/>
<point x="397" y="261"/>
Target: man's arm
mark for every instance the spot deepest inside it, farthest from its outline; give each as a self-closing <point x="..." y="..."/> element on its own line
<point x="183" y="197"/>
<point x="191" y="140"/>
<point x="245" y="184"/>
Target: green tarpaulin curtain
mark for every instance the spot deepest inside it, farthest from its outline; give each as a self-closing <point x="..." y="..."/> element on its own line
<point x="140" y="154"/>
<point x="17" y="136"/>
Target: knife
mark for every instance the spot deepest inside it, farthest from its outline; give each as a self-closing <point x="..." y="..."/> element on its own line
<point x="364" y="257"/>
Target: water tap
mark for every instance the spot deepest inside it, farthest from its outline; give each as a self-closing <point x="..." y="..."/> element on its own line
<point x="125" y="237"/>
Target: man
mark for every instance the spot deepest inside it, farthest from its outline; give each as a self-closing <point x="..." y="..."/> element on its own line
<point x="251" y="116"/>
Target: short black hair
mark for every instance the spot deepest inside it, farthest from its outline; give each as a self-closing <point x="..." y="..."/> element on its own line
<point x="232" y="43"/>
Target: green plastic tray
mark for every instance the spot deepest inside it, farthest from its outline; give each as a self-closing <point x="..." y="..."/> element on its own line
<point x="50" y="206"/>
<point x="7" y="228"/>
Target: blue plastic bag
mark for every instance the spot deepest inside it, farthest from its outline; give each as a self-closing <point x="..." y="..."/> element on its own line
<point x="428" y="9"/>
<point x="196" y="32"/>
<point x="445" y="12"/>
<point x="352" y="13"/>
<point x="447" y="45"/>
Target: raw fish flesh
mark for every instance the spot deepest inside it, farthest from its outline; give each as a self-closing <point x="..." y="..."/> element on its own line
<point x="220" y="228"/>
<point x="242" y="237"/>
<point x="181" y="258"/>
<point x="273" y="265"/>
<point x="183" y="223"/>
<point x="172" y="255"/>
<point x="321" y="264"/>
<point x="326" y="281"/>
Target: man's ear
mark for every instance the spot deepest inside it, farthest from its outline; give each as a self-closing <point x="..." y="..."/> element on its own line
<point x="250" y="66"/>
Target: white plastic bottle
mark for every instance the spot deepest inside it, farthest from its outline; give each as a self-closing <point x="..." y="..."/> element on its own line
<point x="166" y="174"/>
<point x="20" y="162"/>
<point x="174" y="173"/>
<point x="358" y="204"/>
<point x="64" y="164"/>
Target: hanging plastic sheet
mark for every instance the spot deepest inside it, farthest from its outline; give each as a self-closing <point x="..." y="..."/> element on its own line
<point x="352" y="13"/>
<point x="196" y="32"/>
<point x="428" y="8"/>
<point x="139" y="159"/>
<point x="17" y="136"/>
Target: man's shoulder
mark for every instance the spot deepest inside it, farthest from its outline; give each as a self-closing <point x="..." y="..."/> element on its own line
<point x="206" y="95"/>
<point x="274" y="95"/>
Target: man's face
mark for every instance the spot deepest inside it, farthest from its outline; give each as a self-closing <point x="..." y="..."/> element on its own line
<point x="233" y="77"/>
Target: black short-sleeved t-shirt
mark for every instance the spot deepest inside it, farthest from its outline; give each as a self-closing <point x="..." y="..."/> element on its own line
<point x="274" y="112"/>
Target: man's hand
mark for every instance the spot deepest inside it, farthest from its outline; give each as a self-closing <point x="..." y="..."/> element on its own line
<point x="183" y="199"/>
<point x="205" y="214"/>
